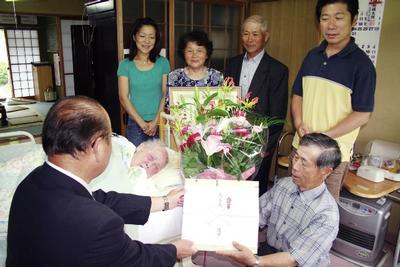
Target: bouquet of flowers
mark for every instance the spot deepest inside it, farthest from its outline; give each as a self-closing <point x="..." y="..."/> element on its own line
<point x="220" y="137"/>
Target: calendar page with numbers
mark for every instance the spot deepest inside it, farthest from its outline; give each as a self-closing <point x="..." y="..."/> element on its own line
<point x="368" y="27"/>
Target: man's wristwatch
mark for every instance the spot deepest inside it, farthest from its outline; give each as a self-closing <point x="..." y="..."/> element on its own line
<point x="166" y="203"/>
<point x="257" y="263"/>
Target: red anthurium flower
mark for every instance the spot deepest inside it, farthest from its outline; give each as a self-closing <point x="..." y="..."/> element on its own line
<point x="242" y="132"/>
<point x="191" y="140"/>
<point x="182" y="147"/>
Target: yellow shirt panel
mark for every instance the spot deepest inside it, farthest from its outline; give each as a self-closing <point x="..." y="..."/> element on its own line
<point x="325" y="104"/>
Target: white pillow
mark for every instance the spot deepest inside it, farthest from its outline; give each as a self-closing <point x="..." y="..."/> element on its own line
<point x="170" y="176"/>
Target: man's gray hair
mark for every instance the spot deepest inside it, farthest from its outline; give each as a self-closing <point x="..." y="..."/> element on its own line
<point x="330" y="152"/>
<point x="259" y="20"/>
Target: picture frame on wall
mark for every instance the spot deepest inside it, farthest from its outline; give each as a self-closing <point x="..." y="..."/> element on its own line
<point x="177" y="94"/>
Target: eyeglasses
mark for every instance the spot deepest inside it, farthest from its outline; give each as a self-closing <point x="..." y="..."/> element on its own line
<point x="304" y="163"/>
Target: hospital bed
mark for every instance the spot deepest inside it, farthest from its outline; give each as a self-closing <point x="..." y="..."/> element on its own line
<point x="20" y="154"/>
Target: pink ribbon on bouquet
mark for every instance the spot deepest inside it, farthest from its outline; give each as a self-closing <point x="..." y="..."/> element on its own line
<point x="215" y="174"/>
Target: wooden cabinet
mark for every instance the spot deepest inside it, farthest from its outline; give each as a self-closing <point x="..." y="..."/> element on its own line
<point x="220" y="19"/>
<point x="42" y="80"/>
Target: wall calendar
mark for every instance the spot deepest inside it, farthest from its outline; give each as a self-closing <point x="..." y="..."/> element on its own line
<point x="368" y="27"/>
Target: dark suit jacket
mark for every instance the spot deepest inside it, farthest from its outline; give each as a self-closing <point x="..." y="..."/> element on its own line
<point x="54" y="221"/>
<point x="270" y="85"/>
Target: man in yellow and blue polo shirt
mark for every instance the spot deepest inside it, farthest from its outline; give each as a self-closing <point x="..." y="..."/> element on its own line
<point x="334" y="89"/>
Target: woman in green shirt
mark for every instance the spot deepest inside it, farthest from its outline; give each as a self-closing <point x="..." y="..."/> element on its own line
<point x="142" y="81"/>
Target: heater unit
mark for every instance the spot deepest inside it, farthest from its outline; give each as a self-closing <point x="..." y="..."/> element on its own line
<point x="362" y="229"/>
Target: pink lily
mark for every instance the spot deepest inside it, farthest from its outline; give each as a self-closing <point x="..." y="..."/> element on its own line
<point x="213" y="145"/>
<point x="240" y="121"/>
<point x="257" y="129"/>
<point x="213" y="173"/>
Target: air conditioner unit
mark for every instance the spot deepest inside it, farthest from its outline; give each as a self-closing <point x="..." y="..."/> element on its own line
<point x="99" y="9"/>
<point x="362" y="229"/>
<point x="99" y="6"/>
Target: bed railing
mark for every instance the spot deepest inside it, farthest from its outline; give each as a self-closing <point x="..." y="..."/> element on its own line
<point x="11" y="136"/>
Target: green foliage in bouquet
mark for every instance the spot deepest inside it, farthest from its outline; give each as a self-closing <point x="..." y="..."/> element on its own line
<point x="220" y="132"/>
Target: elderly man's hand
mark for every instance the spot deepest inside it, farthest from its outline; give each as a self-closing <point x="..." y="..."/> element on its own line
<point x="176" y="197"/>
<point x="242" y="255"/>
<point x="184" y="248"/>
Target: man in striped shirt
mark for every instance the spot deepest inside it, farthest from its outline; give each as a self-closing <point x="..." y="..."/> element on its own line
<point x="301" y="216"/>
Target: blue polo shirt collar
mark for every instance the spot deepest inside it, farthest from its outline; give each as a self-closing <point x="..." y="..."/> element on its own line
<point x="350" y="47"/>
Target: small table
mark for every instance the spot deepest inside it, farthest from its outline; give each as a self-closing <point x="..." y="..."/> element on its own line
<point x="364" y="188"/>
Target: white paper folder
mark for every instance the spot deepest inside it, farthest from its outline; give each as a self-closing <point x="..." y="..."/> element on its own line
<point x="217" y="212"/>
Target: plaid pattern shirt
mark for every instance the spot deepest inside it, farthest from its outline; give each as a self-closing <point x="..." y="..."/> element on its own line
<point x="302" y="223"/>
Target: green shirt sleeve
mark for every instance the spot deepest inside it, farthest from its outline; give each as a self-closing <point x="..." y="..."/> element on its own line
<point x="123" y="68"/>
<point x="165" y="66"/>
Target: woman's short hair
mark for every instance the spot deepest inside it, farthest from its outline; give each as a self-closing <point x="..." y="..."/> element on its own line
<point x="198" y="37"/>
<point x="139" y="23"/>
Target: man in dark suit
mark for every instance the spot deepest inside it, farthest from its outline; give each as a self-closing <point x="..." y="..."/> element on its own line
<point x="264" y="77"/>
<point x="56" y="221"/>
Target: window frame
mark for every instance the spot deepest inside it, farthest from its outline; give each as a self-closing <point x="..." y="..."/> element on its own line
<point x="35" y="55"/>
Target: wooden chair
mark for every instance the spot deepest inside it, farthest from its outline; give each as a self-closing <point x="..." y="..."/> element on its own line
<point x="283" y="151"/>
<point x="166" y="133"/>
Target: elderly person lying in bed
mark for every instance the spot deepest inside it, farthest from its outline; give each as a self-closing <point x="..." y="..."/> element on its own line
<point x="150" y="169"/>
<point x="129" y="168"/>
<point x="151" y="155"/>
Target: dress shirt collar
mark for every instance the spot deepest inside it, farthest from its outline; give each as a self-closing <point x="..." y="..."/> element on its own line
<point x="255" y="59"/>
<point x="311" y="194"/>
<point x="71" y="175"/>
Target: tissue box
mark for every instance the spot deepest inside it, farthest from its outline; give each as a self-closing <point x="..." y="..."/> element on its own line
<point x="371" y="173"/>
<point x="392" y="176"/>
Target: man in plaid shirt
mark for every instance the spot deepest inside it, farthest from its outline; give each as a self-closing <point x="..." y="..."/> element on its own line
<point x="301" y="216"/>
